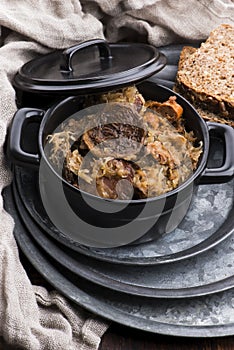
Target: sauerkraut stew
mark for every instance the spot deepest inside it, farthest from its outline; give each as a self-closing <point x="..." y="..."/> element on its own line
<point x="125" y="147"/>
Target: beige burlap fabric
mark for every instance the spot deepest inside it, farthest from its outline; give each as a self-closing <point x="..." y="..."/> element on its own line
<point x="30" y="317"/>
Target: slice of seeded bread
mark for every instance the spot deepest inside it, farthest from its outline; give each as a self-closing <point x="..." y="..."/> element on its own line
<point x="206" y="75"/>
<point x="212" y="117"/>
<point x="186" y="52"/>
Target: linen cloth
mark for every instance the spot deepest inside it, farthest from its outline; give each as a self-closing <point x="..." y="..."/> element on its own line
<point x="30" y="316"/>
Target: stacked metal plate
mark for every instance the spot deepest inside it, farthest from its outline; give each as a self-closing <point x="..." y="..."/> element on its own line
<point x="182" y="284"/>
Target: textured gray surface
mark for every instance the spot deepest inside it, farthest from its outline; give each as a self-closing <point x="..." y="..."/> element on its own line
<point x="207" y="316"/>
<point x="208" y="211"/>
<point x="208" y="268"/>
<point x="206" y="273"/>
<point x="208" y="310"/>
<point x="209" y="208"/>
<point x="215" y="310"/>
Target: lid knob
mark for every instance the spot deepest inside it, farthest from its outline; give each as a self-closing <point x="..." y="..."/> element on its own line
<point x="104" y="51"/>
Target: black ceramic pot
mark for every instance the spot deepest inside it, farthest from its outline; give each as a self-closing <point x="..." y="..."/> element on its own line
<point x="116" y="222"/>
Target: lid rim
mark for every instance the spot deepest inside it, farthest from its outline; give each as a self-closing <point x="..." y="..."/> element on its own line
<point x="110" y="81"/>
<point x="81" y="90"/>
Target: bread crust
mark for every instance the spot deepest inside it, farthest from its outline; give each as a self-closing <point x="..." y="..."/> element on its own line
<point x="206" y="75"/>
<point x="186" y="52"/>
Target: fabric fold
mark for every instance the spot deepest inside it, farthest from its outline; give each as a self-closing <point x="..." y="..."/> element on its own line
<point x="30" y="316"/>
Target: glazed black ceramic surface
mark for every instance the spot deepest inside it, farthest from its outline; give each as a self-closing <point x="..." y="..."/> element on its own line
<point x="86" y="68"/>
<point x="163" y="213"/>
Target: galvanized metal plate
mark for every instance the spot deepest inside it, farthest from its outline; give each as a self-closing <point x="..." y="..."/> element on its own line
<point x="206" y="224"/>
<point x="207" y="273"/>
<point x="207" y="316"/>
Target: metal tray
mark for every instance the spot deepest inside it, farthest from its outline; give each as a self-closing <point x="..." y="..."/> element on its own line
<point x="208" y="222"/>
<point x="207" y="316"/>
<point x="207" y="273"/>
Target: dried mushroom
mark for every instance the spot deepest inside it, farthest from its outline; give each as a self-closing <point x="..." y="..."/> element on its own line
<point x="119" y="132"/>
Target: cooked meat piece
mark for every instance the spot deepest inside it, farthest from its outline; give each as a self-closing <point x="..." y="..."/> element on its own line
<point x="169" y="109"/>
<point x="119" y="133"/>
<point x="113" y="188"/>
<point x="114" y="179"/>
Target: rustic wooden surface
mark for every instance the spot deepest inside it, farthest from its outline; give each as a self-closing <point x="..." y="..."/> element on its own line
<point x="125" y="338"/>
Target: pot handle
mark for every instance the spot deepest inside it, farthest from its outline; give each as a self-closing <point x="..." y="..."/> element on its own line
<point x="22" y="118"/>
<point x="104" y="51"/>
<point x="226" y="171"/>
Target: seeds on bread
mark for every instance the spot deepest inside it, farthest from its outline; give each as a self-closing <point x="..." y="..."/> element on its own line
<point x="206" y="75"/>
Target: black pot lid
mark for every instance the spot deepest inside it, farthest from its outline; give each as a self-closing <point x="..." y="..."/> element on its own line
<point x="90" y="67"/>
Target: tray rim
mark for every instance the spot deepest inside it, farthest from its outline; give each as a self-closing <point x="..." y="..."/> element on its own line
<point x="92" y="304"/>
<point x="87" y="272"/>
<point x="201" y="247"/>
